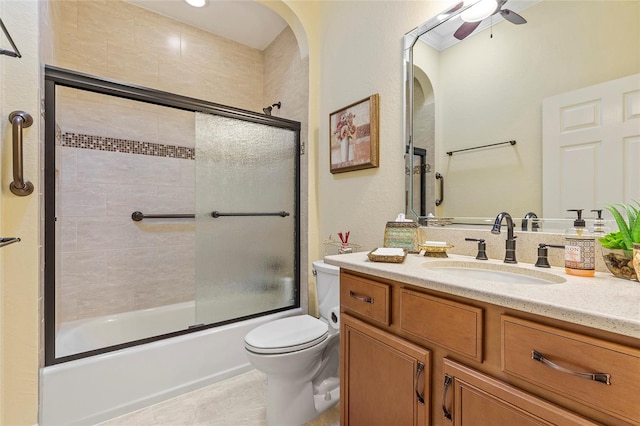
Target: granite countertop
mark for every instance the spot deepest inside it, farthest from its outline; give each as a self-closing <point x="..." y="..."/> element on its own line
<point x="602" y="302"/>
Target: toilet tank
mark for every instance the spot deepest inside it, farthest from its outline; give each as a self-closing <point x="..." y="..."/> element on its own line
<point x="327" y="287"/>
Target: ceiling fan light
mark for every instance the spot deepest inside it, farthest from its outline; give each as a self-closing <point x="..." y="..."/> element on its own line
<point x="479" y="11"/>
<point x="196" y="3"/>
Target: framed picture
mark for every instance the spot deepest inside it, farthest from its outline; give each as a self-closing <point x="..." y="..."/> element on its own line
<point x="353" y="139"/>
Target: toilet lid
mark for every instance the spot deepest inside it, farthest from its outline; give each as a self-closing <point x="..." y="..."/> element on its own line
<point x="286" y="335"/>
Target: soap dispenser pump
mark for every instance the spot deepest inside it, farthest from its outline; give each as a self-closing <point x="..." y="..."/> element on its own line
<point x="579" y="248"/>
<point x="599" y="228"/>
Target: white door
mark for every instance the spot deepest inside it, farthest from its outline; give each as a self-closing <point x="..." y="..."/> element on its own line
<point x="591" y="147"/>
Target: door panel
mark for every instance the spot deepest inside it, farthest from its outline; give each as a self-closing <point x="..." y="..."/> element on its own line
<point x="590" y="147"/>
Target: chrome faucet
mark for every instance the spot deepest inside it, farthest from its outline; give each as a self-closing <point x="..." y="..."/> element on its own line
<point x="510" y="253"/>
<point x="534" y="223"/>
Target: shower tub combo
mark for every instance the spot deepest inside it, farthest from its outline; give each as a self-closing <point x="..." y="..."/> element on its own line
<point x="142" y="307"/>
<point x="94" y="389"/>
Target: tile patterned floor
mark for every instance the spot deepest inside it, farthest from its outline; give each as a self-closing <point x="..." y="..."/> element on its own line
<point x="238" y="401"/>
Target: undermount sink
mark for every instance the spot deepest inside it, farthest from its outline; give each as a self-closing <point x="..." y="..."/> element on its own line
<point x="504" y="273"/>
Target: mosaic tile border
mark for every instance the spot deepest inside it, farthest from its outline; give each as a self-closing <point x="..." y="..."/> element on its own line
<point x="127" y="146"/>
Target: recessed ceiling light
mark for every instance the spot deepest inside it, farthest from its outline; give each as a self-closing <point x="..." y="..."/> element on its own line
<point x="196" y="3"/>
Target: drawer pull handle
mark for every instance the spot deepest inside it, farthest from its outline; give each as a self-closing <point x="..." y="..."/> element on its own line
<point x="596" y="377"/>
<point x="447" y="382"/>
<point x="365" y="299"/>
<point x="419" y="371"/>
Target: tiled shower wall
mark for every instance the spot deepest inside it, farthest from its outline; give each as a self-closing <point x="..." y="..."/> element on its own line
<point x="117" y="156"/>
<point x="117" y="40"/>
<point x="108" y="262"/>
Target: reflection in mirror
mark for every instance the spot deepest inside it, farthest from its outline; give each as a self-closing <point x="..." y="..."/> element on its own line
<point x="508" y="82"/>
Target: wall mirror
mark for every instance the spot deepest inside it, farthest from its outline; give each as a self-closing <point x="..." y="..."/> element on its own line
<point x="492" y="88"/>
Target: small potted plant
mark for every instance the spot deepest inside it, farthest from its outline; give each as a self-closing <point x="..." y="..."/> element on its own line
<point x="618" y="246"/>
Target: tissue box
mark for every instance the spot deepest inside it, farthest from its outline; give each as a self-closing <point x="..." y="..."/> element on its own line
<point x="402" y="235"/>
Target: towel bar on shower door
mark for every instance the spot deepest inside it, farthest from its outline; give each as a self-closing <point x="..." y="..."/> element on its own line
<point x="19" y="120"/>
<point x="138" y="216"/>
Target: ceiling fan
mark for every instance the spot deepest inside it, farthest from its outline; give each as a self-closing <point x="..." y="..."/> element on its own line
<point x="482" y="10"/>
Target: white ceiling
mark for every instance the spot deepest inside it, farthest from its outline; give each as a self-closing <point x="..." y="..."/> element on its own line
<point x="245" y="21"/>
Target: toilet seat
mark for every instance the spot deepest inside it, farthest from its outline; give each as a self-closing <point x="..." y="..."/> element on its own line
<point x="286" y="335"/>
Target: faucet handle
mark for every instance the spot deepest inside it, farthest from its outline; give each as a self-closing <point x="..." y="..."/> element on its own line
<point x="542" y="261"/>
<point x="482" y="248"/>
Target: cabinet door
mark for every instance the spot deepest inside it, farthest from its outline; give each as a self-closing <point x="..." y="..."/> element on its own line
<point x="384" y="379"/>
<point x="475" y="399"/>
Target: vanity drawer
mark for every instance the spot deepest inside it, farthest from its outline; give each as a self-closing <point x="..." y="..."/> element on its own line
<point x="455" y="326"/>
<point x="560" y="355"/>
<point x="365" y="297"/>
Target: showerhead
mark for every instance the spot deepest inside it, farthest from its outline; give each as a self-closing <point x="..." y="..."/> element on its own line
<point x="267" y="110"/>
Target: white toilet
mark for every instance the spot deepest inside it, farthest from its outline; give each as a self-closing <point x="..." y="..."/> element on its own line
<point x="300" y="356"/>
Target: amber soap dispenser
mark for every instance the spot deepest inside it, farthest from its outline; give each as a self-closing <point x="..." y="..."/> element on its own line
<point x="579" y="249"/>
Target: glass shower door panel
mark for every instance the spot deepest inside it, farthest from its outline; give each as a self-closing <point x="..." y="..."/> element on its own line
<point x="245" y="265"/>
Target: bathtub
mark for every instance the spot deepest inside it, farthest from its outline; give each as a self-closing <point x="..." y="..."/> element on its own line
<point x="91" y="390"/>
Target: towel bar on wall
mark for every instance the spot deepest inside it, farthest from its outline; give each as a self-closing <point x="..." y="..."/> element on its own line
<point x="19" y="120"/>
<point x="8" y="240"/>
<point x="450" y="153"/>
<point x="15" y="53"/>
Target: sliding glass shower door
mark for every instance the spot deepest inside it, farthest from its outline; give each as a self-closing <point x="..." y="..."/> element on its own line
<point x="133" y="251"/>
<point x="246" y="218"/>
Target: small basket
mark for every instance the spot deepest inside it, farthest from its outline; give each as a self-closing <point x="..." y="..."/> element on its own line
<point x="388" y="259"/>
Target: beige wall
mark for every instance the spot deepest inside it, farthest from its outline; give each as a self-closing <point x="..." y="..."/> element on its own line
<point x="360" y="53"/>
<point x="20" y="263"/>
<point x="354" y="51"/>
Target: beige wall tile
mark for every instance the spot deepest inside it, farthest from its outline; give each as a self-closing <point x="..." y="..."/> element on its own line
<point x="83" y="268"/>
<point x="132" y="65"/>
<point x="104" y="300"/>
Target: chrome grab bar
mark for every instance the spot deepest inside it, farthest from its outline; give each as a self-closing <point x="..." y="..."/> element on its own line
<point x="138" y="216"/>
<point x="19" y="120"/>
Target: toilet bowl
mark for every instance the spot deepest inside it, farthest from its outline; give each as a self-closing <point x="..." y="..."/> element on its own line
<point x="300" y="356"/>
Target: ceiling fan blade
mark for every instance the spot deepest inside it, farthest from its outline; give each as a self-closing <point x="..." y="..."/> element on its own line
<point x="466" y="29"/>
<point x="512" y="17"/>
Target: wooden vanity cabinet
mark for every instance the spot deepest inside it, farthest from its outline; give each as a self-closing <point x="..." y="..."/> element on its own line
<point x="473" y="399"/>
<point x="384" y="379"/>
<point x="389" y="328"/>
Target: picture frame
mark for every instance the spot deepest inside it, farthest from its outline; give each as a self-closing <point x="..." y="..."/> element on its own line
<point x="353" y="136"/>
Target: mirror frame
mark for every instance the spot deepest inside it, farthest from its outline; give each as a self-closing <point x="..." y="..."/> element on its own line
<point x="408" y="41"/>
